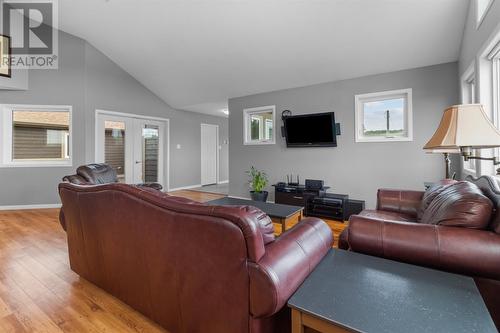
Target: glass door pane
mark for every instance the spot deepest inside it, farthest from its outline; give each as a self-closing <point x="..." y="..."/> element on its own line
<point x="150" y="153"/>
<point x="114" y="147"/>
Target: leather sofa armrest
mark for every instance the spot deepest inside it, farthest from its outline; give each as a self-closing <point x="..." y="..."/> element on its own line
<point x="62" y="220"/>
<point x="406" y="202"/>
<point x="285" y="265"/>
<point x="455" y="249"/>
<point x="155" y="186"/>
<point x="344" y="240"/>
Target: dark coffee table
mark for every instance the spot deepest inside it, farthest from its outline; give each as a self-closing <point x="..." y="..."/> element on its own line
<point x="352" y="292"/>
<point x="279" y="213"/>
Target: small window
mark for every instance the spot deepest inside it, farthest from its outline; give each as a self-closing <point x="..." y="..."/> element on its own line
<point x="384" y="116"/>
<point x="258" y="124"/>
<point x="482" y="7"/>
<point x="36" y="135"/>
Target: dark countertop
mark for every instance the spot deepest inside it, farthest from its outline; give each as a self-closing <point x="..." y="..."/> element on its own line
<point x="369" y="294"/>
<point x="271" y="209"/>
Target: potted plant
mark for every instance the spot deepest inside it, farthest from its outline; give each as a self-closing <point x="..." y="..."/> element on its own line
<point x="258" y="181"/>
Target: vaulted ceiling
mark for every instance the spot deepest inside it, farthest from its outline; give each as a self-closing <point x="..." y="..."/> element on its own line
<point x="195" y="54"/>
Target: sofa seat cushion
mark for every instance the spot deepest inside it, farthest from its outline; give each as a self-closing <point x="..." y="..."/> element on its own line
<point x="461" y="204"/>
<point x="388" y="216"/>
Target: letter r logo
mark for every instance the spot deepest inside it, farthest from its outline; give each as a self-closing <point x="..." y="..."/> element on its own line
<point x="30" y="26"/>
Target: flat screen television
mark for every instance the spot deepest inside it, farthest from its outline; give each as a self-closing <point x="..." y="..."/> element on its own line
<point x="311" y="130"/>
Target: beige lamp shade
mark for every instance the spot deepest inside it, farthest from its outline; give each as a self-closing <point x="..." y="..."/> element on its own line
<point x="464" y="125"/>
<point x="442" y="151"/>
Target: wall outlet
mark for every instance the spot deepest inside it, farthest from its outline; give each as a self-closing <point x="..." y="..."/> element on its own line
<point x="178" y="146"/>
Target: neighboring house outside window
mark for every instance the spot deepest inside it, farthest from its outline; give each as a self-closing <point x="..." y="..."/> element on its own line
<point x="36" y="135"/>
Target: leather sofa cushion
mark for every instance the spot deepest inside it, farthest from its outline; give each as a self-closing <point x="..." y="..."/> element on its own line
<point x="388" y="216"/>
<point x="266" y="228"/>
<point x="97" y="174"/>
<point x="430" y="194"/>
<point x="75" y="179"/>
<point x="461" y="204"/>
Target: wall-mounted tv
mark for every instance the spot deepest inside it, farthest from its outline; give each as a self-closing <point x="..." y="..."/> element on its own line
<point x="311" y="130"/>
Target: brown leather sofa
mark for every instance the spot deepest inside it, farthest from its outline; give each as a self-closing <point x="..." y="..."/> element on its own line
<point x="453" y="226"/>
<point x="188" y="266"/>
<point x="100" y="173"/>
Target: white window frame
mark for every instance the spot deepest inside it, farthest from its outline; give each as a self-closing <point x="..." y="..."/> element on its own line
<point x="468" y="96"/>
<point x="359" y="101"/>
<point x="6" y="112"/>
<point x="479" y="17"/>
<point x="247" y="115"/>
<point x="67" y="145"/>
<point x="494" y="58"/>
<point x="267" y="127"/>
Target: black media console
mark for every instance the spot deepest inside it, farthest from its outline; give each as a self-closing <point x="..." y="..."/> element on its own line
<point x="317" y="202"/>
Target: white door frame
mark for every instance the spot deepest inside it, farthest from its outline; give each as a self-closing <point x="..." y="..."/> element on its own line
<point x="217" y="152"/>
<point x="98" y="112"/>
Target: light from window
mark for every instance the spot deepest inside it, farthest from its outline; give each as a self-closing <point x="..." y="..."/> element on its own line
<point x="268" y="129"/>
<point x="469" y="97"/>
<point x="482" y="7"/>
<point x="36" y="135"/>
<point x="384" y="116"/>
<point x="259" y="125"/>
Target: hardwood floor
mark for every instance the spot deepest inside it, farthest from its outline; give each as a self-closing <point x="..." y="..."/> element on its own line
<point x="39" y="292"/>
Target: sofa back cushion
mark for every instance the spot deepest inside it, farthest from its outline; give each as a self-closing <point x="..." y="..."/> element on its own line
<point x="97" y="173"/>
<point x="460" y="204"/>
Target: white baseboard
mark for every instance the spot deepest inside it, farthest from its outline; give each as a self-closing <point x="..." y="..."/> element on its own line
<point x="223" y="181"/>
<point x="184" y="188"/>
<point x="25" y="207"/>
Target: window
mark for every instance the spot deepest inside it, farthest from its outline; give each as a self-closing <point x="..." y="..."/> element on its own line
<point x="384" y="116"/>
<point x="35" y="135"/>
<point x="258" y="124"/>
<point x="482" y="7"/>
<point x="268" y="129"/>
<point x="469" y="97"/>
<point x="494" y="57"/>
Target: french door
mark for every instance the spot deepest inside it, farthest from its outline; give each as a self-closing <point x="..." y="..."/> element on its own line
<point x="133" y="146"/>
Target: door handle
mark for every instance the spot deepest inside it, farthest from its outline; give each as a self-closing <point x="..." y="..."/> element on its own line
<point x="138" y="162"/>
<point x="298" y="197"/>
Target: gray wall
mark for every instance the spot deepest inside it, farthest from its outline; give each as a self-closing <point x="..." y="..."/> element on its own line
<point x="88" y="80"/>
<point x="357" y="169"/>
<point x="110" y="88"/>
<point x="473" y="38"/>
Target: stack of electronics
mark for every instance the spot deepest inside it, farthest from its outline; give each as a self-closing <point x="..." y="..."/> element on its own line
<point x="315" y="200"/>
<point x="329" y="205"/>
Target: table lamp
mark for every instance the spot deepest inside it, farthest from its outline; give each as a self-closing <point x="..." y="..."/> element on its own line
<point x="464" y="128"/>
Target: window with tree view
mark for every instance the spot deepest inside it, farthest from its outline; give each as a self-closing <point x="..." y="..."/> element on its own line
<point x="383" y="116"/>
<point x="259" y="125"/>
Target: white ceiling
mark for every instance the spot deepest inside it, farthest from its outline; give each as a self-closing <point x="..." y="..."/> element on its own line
<point x="195" y="54"/>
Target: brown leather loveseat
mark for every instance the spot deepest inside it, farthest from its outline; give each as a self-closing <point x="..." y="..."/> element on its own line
<point x="453" y="226"/>
<point x="189" y="266"/>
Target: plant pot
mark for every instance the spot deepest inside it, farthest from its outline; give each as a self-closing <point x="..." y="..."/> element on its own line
<point x="259" y="196"/>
